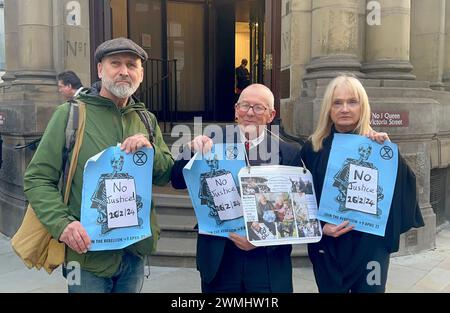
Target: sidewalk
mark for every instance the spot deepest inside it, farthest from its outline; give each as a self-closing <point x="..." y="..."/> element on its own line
<point x="428" y="271"/>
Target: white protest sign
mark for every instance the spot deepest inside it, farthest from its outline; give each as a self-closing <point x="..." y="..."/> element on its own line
<point x="226" y="197"/>
<point x="362" y="189"/>
<point x="121" y="203"/>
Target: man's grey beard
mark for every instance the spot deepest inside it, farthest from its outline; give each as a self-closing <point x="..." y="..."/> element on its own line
<point x="120" y="91"/>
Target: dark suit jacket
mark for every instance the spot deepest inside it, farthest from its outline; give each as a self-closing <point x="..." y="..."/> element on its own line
<point x="210" y="248"/>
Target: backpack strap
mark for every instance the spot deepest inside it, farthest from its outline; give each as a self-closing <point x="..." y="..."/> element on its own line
<point x="72" y="124"/>
<point x="145" y="117"/>
<point x="76" y="117"/>
<point x="70" y="131"/>
<point x="81" y="118"/>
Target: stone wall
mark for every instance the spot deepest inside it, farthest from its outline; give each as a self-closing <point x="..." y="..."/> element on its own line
<point x="40" y="44"/>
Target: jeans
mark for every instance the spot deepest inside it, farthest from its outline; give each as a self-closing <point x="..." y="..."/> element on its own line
<point x="129" y="278"/>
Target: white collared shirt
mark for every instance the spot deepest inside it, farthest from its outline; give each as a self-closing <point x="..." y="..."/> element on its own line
<point x="254" y="142"/>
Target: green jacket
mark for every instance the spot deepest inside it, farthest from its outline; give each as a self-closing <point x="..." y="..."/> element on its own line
<point x="106" y="125"/>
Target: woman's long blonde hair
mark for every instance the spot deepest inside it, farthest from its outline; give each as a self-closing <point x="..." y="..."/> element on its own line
<point x="323" y="128"/>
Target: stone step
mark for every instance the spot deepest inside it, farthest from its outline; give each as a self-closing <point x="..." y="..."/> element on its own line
<point x="175" y="233"/>
<point x="177" y="222"/>
<point x="170" y="202"/>
<point x="177" y="226"/>
<point x="175" y="252"/>
<point x="181" y="252"/>
<point x="168" y="196"/>
<point x="169" y="190"/>
<point x="174" y="208"/>
<point x="177" y="246"/>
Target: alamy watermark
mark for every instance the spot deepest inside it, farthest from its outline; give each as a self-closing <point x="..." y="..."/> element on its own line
<point x="374" y="276"/>
<point x="374" y="14"/>
<point x="73" y="273"/>
<point x="268" y="152"/>
<point x="73" y="13"/>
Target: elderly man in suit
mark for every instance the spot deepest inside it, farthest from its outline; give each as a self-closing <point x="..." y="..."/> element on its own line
<point x="234" y="264"/>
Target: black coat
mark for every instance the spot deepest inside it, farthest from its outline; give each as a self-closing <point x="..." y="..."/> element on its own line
<point x="210" y="248"/>
<point x="348" y="250"/>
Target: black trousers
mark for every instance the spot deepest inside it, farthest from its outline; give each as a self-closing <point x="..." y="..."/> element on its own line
<point x="240" y="272"/>
<point x="368" y="276"/>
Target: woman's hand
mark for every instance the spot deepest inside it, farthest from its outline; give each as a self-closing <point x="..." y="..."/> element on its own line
<point x="337" y="230"/>
<point x="379" y="137"/>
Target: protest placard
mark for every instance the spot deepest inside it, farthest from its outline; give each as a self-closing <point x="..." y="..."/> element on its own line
<point x="211" y="180"/>
<point x="116" y="198"/>
<point x="359" y="183"/>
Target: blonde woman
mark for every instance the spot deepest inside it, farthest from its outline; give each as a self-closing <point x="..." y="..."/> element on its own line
<point x="346" y="260"/>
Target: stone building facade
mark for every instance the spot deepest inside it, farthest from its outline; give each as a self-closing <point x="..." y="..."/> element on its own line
<point x="42" y="38"/>
<point x="400" y="49"/>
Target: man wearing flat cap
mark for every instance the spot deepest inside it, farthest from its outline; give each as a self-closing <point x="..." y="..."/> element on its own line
<point x="112" y="115"/>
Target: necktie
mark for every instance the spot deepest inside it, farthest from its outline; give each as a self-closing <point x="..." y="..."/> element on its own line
<point x="247" y="146"/>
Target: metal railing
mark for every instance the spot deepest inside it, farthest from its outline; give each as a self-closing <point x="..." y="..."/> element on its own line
<point x="159" y="90"/>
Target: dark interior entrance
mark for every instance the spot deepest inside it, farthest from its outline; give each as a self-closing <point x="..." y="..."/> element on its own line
<point x="238" y="28"/>
<point x="224" y="42"/>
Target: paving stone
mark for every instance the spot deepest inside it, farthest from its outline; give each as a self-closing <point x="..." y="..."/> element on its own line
<point x="185" y="280"/>
<point x="305" y="273"/>
<point x="402" y="278"/>
<point x="424" y="261"/>
<point x="25" y="280"/>
<point x="445" y="265"/>
<point x="304" y="286"/>
<point x="437" y="279"/>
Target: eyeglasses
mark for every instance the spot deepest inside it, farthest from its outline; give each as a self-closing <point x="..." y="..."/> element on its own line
<point x="257" y="108"/>
<point x="339" y="103"/>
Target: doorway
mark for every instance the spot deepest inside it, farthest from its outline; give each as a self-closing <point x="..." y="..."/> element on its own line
<point x="238" y="33"/>
<point x="194" y="48"/>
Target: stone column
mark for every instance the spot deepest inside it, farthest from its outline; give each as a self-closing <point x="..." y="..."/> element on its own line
<point x="387" y="44"/>
<point x="446" y="74"/>
<point x="295" y="55"/>
<point x="35" y="40"/>
<point x="417" y="156"/>
<point x="27" y="99"/>
<point x="71" y="43"/>
<point x="336" y="38"/>
<point x="428" y="40"/>
<point x="11" y="38"/>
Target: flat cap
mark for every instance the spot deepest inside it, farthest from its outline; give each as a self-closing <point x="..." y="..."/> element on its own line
<point x="119" y="45"/>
